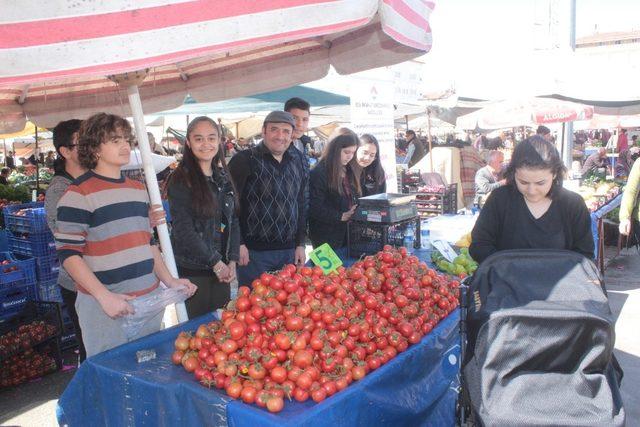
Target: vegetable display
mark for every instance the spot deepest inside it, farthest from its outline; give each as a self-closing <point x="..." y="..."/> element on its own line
<point x="303" y="335"/>
<point x="25" y="366"/>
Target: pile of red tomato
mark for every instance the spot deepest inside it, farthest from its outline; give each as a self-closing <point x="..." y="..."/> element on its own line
<point x="300" y="334"/>
<point x="25" y="366"/>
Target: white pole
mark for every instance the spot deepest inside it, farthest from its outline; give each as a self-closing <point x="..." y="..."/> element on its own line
<point x="568" y="129"/>
<point x="152" y="187"/>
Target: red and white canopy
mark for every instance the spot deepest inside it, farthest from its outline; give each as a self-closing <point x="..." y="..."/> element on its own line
<point x="521" y="112"/>
<point x="55" y="56"/>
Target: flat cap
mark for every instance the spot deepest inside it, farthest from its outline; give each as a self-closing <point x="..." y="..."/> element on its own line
<point x="280" y="117"/>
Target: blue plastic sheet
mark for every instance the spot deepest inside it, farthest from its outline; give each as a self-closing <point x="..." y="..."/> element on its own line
<point x="600" y="213"/>
<point x="418" y="387"/>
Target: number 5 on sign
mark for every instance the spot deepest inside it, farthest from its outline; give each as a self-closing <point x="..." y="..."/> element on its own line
<point x="325" y="258"/>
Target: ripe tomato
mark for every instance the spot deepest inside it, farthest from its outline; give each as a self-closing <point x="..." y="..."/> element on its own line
<point x="282" y="341"/>
<point x="190" y="364"/>
<point x="181" y="343"/>
<point x="278" y="374"/>
<point x="303" y="359"/>
<point x="294" y="323"/>
<point x="304" y="381"/>
<point x="318" y="395"/>
<point x="256" y="371"/>
<point x="275" y="404"/>
<point x="177" y="356"/>
<point x="234" y="389"/>
<point x="248" y="394"/>
<point x="300" y="395"/>
<point x="229" y="346"/>
<point x="236" y="330"/>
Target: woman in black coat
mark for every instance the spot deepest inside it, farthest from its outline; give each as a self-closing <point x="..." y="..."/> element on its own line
<point x="205" y="229"/>
<point x="334" y="188"/>
<point x="533" y="211"/>
<point x="372" y="177"/>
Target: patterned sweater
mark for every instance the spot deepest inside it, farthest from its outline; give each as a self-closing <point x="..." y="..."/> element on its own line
<point x="105" y="221"/>
<point x="272" y="197"/>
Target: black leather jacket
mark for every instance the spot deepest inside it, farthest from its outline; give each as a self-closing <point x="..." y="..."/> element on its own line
<point x="199" y="243"/>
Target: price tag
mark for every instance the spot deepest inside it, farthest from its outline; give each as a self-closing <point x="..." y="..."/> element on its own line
<point x="325" y="258"/>
<point x="445" y="249"/>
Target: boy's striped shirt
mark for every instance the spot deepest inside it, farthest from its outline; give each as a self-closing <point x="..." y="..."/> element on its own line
<point x="106" y="221"/>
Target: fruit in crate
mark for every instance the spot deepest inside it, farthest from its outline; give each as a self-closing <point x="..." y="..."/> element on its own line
<point x="462" y="265"/>
<point x="431" y="189"/>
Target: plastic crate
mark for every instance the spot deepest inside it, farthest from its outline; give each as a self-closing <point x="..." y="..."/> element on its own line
<point x="49" y="291"/>
<point x="35" y="245"/>
<point x="47" y="268"/>
<point x="367" y="238"/>
<point x="14" y="297"/>
<point x="34" y="219"/>
<point x="15" y="268"/>
<point x="439" y="203"/>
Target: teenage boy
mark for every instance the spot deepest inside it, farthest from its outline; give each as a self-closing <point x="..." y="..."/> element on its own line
<point x="103" y="237"/>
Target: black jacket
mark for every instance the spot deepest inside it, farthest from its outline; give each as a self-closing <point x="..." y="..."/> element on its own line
<point x="505" y="223"/>
<point x="418" y="153"/>
<point x="325" y="210"/>
<point x="200" y="243"/>
<point x="370" y="186"/>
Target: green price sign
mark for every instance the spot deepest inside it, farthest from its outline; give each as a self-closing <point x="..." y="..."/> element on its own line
<point x="325" y="258"/>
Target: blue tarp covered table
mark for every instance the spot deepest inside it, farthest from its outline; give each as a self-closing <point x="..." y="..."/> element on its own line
<point x="418" y="387"/>
<point x="597" y="228"/>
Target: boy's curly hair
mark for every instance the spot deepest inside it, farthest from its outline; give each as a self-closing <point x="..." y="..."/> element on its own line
<point x="96" y="130"/>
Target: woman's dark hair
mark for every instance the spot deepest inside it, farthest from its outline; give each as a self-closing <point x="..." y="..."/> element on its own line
<point x="190" y="174"/>
<point x="96" y="130"/>
<point x="375" y="169"/>
<point x="331" y="158"/>
<point x="536" y="152"/>
<point x="63" y="137"/>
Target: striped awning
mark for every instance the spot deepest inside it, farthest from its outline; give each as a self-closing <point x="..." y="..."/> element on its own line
<point x="56" y="56"/>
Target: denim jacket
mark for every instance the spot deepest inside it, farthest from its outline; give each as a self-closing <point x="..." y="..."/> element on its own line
<point x="199" y="243"/>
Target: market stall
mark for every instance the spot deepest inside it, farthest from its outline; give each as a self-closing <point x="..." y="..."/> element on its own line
<point x="419" y="387"/>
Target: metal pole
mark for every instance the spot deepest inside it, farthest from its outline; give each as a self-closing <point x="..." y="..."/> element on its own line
<point x="152" y="187"/>
<point x="567" y="155"/>
<point x="35" y="156"/>
<point x="429" y="139"/>
<point x="406" y="121"/>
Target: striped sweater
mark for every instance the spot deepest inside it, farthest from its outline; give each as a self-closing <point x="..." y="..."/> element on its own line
<point x="106" y="222"/>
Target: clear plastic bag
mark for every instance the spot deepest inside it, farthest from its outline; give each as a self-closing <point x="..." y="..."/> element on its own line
<point x="148" y="306"/>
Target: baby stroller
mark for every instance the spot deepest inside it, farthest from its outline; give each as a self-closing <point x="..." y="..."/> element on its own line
<point x="539" y="343"/>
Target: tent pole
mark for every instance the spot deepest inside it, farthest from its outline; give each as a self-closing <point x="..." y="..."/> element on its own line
<point x="35" y="156"/>
<point x="406" y="121"/>
<point x="429" y="139"/>
<point x="152" y="186"/>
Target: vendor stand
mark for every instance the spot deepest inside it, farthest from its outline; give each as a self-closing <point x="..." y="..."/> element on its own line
<point x="418" y="387"/>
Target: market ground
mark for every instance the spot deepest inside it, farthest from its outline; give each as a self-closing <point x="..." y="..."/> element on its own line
<point x="34" y="404"/>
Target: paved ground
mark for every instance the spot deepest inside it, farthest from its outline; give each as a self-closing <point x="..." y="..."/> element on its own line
<point x="33" y="404"/>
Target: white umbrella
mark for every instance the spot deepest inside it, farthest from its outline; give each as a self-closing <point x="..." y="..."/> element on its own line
<point x="65" y="60"/>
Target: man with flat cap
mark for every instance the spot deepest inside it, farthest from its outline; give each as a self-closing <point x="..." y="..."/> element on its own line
<point x="271" y="180"/>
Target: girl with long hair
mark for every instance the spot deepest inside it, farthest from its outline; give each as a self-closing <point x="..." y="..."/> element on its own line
<point x="372" y="177"/>
<point x="205" y="229"/>
<point x="334" y="188"/>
